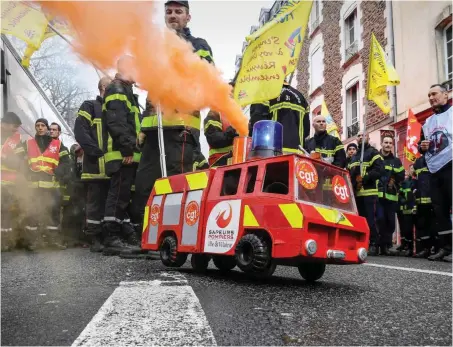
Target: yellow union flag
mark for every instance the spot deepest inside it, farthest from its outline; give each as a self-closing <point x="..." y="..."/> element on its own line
<point x="23" y="22"/>
<point x="381" y="74"/>
<point x="331" y="127"/>
<point x="272" y="54"/>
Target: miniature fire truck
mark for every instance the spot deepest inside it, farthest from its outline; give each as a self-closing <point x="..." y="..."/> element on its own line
<point x="266" y="211"/>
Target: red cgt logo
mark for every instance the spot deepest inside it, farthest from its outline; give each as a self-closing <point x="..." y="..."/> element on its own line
<point x="340" y="189"/>
<point x="221" y="220"/>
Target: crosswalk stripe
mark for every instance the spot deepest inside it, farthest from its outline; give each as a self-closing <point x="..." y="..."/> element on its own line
<point x="442" y="273"/>
<point x="163" y="312"/>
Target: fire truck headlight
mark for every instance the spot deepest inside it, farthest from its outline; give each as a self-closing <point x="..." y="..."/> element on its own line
<point x="311" y="246"/>
<point x="362" y="254"/>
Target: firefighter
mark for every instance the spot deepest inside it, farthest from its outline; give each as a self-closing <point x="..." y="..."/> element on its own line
<point x="425" y="232"/>
<point x="12" y="154"/>
<point x="55" y="130"/>
<point x="365" y="185"/>
<point x="48" y="162"/>
<point x="327" y="146"/>
<point x="408" y="211"/>
<point x="351" y="150"/>
<point x="220" y="136"/>
<point x="121" y="119"/>
<point x="88" y="130"/>
<point x="181" y="134"/>
<point x="436" y="143"/>
<point x="392" y="175"/>
<point x="292" y="111"/>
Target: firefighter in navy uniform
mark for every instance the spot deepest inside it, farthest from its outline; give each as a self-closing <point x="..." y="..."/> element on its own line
<point x="220" y="136"/>
<point x="48" y="162"/>
<point x="425" y="231"/>
<point x="392" y="176"/>
<point x="88" y="130"/>
<point x="365" y="186"/>
<point x="351" y="150"/>
<point x="181" y="134"/>
<point x="121" y="122"/>
<point x="12" y="159"/>
<point x="327" y="146"/>
<point x="291" y="110"/>
<point x="408" y="215"/>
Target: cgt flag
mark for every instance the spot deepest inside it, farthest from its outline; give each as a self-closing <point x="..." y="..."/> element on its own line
<point x="331" y="128"/>
<point x="381" y="74"/>
<point x="412" y="137"/>
<point x="272" y="54"/>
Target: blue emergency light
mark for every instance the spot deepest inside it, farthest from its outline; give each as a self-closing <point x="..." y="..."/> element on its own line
<point x="267" y="139"/>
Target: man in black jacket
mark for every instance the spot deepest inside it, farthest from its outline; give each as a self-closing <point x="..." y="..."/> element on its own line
<point x="121" y="119"/>
<point x="364" y="183"/>
<point x="392" y="175"/>
<point x="88" y="132"/>
<point x="329" y="147"/>
<point x="291" y="110"/>
<point x="181" y="134"/>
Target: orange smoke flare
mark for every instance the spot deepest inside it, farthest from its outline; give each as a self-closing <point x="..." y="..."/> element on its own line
<point x="173" y="75"/>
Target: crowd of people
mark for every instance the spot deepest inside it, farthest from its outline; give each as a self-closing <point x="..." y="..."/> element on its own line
<point x="101" y="186"/>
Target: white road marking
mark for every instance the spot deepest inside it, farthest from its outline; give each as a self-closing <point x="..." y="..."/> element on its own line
<point x="442" y="273"/>
<point x="151" y="313"/>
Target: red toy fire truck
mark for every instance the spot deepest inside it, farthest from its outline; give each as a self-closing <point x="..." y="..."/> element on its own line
<point x="278" y="210"/>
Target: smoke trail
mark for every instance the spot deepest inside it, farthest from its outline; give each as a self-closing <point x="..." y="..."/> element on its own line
<point x="167" y="67"/>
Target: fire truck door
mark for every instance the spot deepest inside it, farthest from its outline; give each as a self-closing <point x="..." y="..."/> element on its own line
<point x="154" y="213"/>
<point x="172" y="209"/>
<point x="191" y="218"/>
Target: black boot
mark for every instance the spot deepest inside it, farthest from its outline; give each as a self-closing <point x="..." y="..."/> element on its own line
<point x="439" y="255"/>
<point x="373" y="251"/>
<point x="96" y="243"/>
<point x="55" y="240"/>
<point x="113" y="245"/>
<point x="424" y="253"/>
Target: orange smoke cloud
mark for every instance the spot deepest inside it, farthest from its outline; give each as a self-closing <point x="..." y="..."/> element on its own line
<point x="173" y="75"/>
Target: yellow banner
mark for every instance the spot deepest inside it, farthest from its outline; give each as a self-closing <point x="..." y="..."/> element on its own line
<point x="272" y="54"/>
<point x="381" y="74"/>
<point x="331" y="127"/>
<point x="23" y="22"/>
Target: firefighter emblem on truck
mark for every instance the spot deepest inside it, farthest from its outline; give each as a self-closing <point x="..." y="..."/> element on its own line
<point x="192" y="213"/>
<point x="154" y="214"/>
<point x="340" y="189"/>
<point x="222" y="227"/>
<point x="306" y="174"/>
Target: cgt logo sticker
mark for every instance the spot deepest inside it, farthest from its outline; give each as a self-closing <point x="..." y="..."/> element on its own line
<point x="340" y="189"/>
<point x="154" y="214"/>
<point x="192" y="213"/>
<point x="306" y="174"/>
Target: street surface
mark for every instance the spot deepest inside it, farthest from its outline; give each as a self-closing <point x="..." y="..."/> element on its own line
<point x="75" y="297"/>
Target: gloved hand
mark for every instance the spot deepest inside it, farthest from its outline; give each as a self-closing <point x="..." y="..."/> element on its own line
<point x="391" y="183"/>
<point x="231" y="132"/>
<point x="359" y="182"/>
<point x="315" y="155"/>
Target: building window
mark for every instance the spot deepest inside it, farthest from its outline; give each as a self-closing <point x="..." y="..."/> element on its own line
<point x="315" y="15"/>
<point x="352" y="110"/>
<point x="448" y="52"/>
<point x="316" y="67"/>
<point x="350" y="27"/>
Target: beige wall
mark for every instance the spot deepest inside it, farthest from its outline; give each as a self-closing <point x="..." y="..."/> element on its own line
<point x="416" y="55"/>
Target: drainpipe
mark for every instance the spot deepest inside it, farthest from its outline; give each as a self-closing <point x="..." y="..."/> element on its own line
<point x="391" y="55"/>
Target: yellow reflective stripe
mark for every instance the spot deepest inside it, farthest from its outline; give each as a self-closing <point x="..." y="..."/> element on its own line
<point x="301" y="129"/>
<point x="120" y="97"/>
<point x="333" y="216"/>
<point x="329" y="152"/>
<point x="45" y="159"/>
<point x="147" y="122"/>
<point x="19" y="150"/>
<point x="203" y="53"/>
<point x="45" y="184"/>
<point x="197" y="164"/>
<point x="63" y="153"/>
<point x="424" y="169"/>
<point x="338" y="148"/>
<point x="222" y="150"/>
<point x="162" y="186"/>
<point x="197" y="180"/>
<point x="423" y="200"/>
<point x="214" y="124"/>
<point x="377" y="156"/>
<point x="291" y="150"/>
<point x="249" y="219"/>
<point x="146" y="219"/>
<point x="114" y="155"/>
<point x="86" y="115"/>
<point x="292" y="214"/>
<point x="7" y="183"/>
<point x="398" y="169"/>
<point x="66" y="198"/>
<point x="187" y="120"/>
<point x="4" y="168"/>
<point x="391" y="197"/>
<point x="92" y="176"/>
<point x="405" y="190"/>
<point x="367" y="192"/>
<point x="286" y="104"/>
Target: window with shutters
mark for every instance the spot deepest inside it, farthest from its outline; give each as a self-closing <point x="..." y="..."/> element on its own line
<point x="448" y="52"/>
<point x="350" y="31"/>
<point x="352" y="110"/>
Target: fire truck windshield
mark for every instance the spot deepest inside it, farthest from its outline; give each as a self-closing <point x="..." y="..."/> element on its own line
<point x="323" y="185"/>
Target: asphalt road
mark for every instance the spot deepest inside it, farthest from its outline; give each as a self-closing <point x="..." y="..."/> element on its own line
<point x="50" y="298"/>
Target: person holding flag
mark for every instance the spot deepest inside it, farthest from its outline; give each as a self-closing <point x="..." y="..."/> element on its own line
<point x="437" y="144"/>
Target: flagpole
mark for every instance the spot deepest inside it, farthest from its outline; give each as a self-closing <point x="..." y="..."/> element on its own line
<point x="160" y="139"/>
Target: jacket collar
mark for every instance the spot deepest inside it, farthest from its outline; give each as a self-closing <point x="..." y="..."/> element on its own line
<point x="389" y="156"/>
<point x="100" y="99"/>
<point x="442" y="108"/>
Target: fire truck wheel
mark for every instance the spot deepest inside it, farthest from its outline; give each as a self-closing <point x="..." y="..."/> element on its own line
<point x="268" y="271"/>
<point x="169" y="254"/>
<point x="224" y="263"/>
<point x="199" y="262"/>
<point x="252" y="253"/>
<point x="312" y="272"/>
